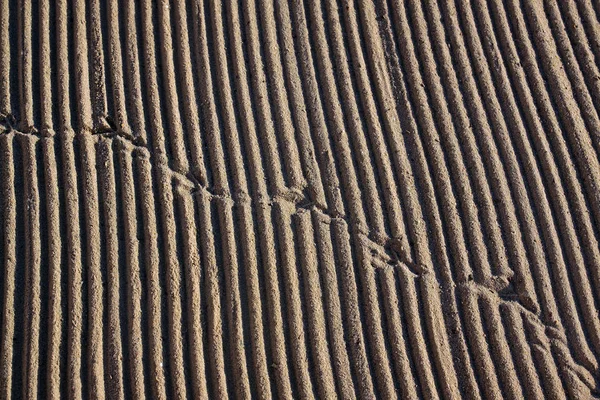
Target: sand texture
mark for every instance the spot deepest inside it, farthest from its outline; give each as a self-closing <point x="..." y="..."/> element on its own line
<point x="299" y="199"/>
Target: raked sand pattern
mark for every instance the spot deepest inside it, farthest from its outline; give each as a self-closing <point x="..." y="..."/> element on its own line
<point x="303" y="199"/>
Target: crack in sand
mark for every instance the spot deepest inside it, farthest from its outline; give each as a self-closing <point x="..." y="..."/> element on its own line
<point x="387" y="251"/>
<point x="553" y="334"/>
<point x="384" y="252"/>
<point x="9" y="124"/>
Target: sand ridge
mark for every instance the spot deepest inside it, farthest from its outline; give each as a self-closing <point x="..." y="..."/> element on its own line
<point x="299" y="199"/>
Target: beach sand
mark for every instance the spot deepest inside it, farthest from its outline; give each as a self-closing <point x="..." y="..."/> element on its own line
<point x="303" y="199"/>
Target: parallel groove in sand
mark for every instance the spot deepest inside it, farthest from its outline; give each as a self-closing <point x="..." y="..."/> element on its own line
<point x="205" y="199"/>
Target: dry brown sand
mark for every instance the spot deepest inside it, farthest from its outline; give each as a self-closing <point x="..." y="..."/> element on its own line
<point x="299" y="199"/>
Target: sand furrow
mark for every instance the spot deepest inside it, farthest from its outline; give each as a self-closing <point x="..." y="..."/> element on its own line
<point x="528" y="135"/>
<point x="230" y="125"/>
<point x="298" y="105"/>
<point x="294" y="16"/>
<point x="5" y="67"/>
<point x="31" y="203"/>
<point x="499" y="348"/>
<point x="274" y="308"/>
<point x="189" y="106"/>
<point x="354" y="121"/>
<point x="262" y="175"/>
<point x="589" y="21"/>
<point x="521" y="352"/>
<point x="168" y="84"/>
<point x="80" y="67"/>
<point x="545" y="365"/>
<point x="416" y="338"/>
<point x="437" y="334"/>
<point x="149" y="59"/>
<point x="432" y="152"/>
<point x="150" y="251"/>
<point x="434" y="207"/>
<point x="98" y="82"/>
<point x="92" y="274"/>
<point x="376" y="99"/>
<point x="371" y="315"/>
<point x="123" y="163"/>
<point x="564" y="295"/>
<point x="486" y="374"/>
<point x="116" y="73"/>
<point x="318" y="43"/>
<point x="45" y="78"/>
<point x="344" y="379"/>
<point x="296" y="330"/>
<point x="74" y="268"/>
<point x="564" y="104"/>
<point x="170" y="262"/>
<point x="399" y="346"/>
<point x="63" y="103"/>
<point x="279" y="94"/>
<point x="446" y="205"/>
<point x="250" y="280"/>
<point x="192" y="273"/>
<point x="248" y="61"/>
<point x="217" y="385"/>
<point x="312" y="293"/>
<point x="9" y="216"/>
<point x="55" y="322"/>
<point x="500" y="216"/>
<point x="134" y="78"/>
<point x="550" y="20"/>
<point x="299" y="199"/>
<point x="236" y="353"/>
<point x="218" y="176"/>
<point x="515" y="209"/>
<point x="24" y="66"/>
<point x="572" y="35"/>
<point x="351" y="312"/>
<point x="454" y="146"/>
<point x="108" y="213"/>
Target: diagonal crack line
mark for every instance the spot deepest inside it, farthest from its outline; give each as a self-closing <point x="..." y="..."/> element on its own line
<point x="109" y="129"/>
<point x="387" y="251"/>
<point x="484" y="290"/>
<point x="9" y="124"/>
<point x="556" y="336"/>
<point x="299" y="199"/>
<point x="135" y="140"/>
<point x="389" y="255"/>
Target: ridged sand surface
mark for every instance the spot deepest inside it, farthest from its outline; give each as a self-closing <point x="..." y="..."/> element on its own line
<point x="303" y="199"/>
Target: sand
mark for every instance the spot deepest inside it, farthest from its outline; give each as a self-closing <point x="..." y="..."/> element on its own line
<point x="286" y="199"/>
